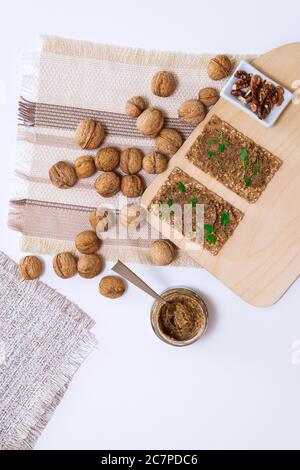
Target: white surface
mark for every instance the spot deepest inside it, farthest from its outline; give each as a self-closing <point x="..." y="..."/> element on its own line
<point x="276" y="111"/>
<point x="237" y="387"/>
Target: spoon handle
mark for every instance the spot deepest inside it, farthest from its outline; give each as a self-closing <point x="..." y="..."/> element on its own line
<point x="125" y="272"/>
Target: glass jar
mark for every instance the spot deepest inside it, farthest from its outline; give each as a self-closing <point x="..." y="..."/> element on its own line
<point x="186" y="294"/>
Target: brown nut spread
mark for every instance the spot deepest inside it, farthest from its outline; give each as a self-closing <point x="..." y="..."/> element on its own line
<point x="183" y="316"/>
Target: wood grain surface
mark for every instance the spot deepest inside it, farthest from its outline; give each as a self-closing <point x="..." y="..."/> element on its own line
<point x="262" y="259"/>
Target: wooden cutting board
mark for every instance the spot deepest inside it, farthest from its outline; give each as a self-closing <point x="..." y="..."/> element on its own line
<point x="262" y="258"/>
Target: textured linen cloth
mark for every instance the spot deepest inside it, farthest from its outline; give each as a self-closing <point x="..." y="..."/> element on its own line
<point x="74" y="80"/>
<point x="44" y="338"/>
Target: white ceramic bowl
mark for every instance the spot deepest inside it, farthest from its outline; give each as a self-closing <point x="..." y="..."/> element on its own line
<point x="276" y="111"/>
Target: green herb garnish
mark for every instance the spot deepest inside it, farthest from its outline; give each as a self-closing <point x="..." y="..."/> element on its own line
<point x="248" y="181"/>
<point x="211" y="154"/>
<point x="225" y="219"/>
<point x="194" y="200"/>
<point x="210" y="238"/>
<point x="256" y="169"/>
<point x="170" y="202"/>
<point x="208" y="228"/>
<point x="222" y="148"/>
<point x="181" y="187"/>
<point x="244" y="156"/>
<point x="213" y="142"/>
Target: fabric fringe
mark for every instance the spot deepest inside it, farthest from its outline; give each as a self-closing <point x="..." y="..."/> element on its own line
<point x="30" y="429"/>
<point x="128" y="254"/>
<point x="127" y="55"/>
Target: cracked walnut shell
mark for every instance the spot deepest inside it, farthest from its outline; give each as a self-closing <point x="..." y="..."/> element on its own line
<point x="132" y="185"/>
<point x="192" y="112"/>
<point x="162" y="252"/>
<point x="108" y="184"/>
<point x="63" y="175"/>
<point x="163" y="84"/>
<point x="30" y="267"/>
<point x="65" y="265"/>
<point x="168" y="141"/>
<point x="107" y="159"/>
<point x="84" y="166"/>
<point x="102" y="219"/>
<point x="89" y="134"/>
<point x="155" y="162"/>
<point x="219" y="67"/>
<point x="133" y="216"/>
<point x="135" y="106"/>
<point x="89" y="266"/>
<point x="150" y="122"/>
<point x="112" y="287"/>
<point x="131" y="160"/>
<point x="87" y="242"/>
<point x="208" y="96"/>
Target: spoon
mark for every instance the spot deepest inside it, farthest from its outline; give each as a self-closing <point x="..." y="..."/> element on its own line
<point x="124" y="271"/>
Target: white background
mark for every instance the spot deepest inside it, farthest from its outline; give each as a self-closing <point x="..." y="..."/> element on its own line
<point x="237" y="387"/>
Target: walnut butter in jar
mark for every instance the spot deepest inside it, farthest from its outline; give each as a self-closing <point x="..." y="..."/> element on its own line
<point x="183" y="320"/>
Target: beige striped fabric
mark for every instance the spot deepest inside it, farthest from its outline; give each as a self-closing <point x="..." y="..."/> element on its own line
<point x="74" y="80"/>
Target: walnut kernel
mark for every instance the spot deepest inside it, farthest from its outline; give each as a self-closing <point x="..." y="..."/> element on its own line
<point x="162" y="252"/>
<point x="89" y="266"/>
<point x="192" y="112"/>
<point x="155" y="162"/>
<point x="163" y="84"/>
<point x="107" y="159"/>
<point x="65" y="265"/>
<point x="87" y="242"/>
<point x="30" y="267"/>
<point x="89" y="134"/>
<point x="63" y="175"/>
<point x="208" y="96"/>
<point x="168" y="141"/>
<point x="84" y="166"/>
<point x="150" y="122"/>
<point x="135" y="106"/>
<point x="132" y="185"/>
<point x="108" y="184"/>
<point x="112" y="287"/>
<point x="131" y="160"/>
<point x="219" y="67"/>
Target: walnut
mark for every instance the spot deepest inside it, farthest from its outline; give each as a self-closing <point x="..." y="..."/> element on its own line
<point x="30" y="267"/>
<point x="155" y="162"/>
<point x="131" y="160"/>
<point x="63" y="175"/>
<point x="102" y="219"/>
<point x="208" y="96"/>
<point x="192" y="112"/>
<point x="135" y="106"/>
<point x="108" y="184"/>
<point x="150" y="122"/>
<point x="112" y="287"/>
<point x="132" y="185"/>
<point x="87" y="242"/>
<point x="84" y="166"/>
<point x="107" y="159"/>
<point x="163" y="84"/>
<point x="89" y="266"/>
<point x="133" y="216"/>
<point x="65" y="265"/>
<point x="162" y="252"/>
<point x="219" y="67"/>
<point x="89" y="134"/>
<point x="168" y="141"/>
